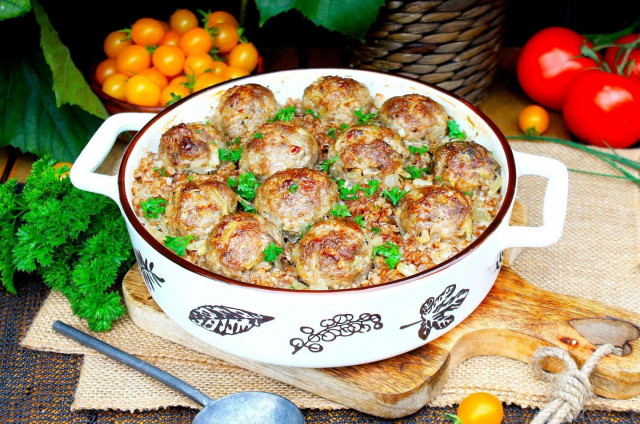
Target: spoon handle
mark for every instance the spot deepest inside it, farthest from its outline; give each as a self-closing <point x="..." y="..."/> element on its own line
<point x="133" y="362"/>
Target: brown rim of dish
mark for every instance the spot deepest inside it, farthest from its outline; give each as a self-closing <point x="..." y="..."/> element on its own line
<point x="189" y="266"/>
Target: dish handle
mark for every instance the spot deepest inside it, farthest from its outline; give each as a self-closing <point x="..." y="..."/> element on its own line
<point x="82" y="172"/>
<point x="554" y="208"/>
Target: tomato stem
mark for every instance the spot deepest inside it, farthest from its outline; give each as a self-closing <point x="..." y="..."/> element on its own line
<point x="454" y="418"/>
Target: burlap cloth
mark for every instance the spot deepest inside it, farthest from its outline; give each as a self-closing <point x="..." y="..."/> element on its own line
<point x="597" y="258"/>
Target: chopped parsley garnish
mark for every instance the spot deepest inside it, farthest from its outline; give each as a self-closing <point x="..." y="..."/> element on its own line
<point x="294" y="187"/>
<point x="245" y="185"/>
<point x="375" y="230"/>
<point x="468" y="193"/>
<point x="360" y="220"/>
<point x="347" y="193"/>
<point x="332" y="132"/>
<point x="438" y="177"/>
<point x="325" y="164"/>
<point x="190" y="177"/>
<point x="415" y="172"/>
<point x="178" y="244"/>
<point x="455" y="133"/>
<point x="174" y="98"/>
<point x="271" y="253"/>
<point x="389" y="251"/>
<point x="248" y="207"/>
<point x="284" y="114"/>
<point x="312" y="113"/>
<point x="343" y="127"/>
<point x="394" y="194"/>
<point x="163" y="171"/>
<point x="153" y="206"/>
<point x="207" y="122"/>
<point x="258" y="135"/>
<point x="372" y="187"/>
<point x="340" y="211"/>
<point x="237" y="140"/>
<point x="198" y="131"/>
<point x="230" y="155"/>
<point x="418" y="150"/>
<point x="364" y="119"/>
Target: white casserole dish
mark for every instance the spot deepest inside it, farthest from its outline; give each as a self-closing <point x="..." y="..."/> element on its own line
<point x="322" y="328"/>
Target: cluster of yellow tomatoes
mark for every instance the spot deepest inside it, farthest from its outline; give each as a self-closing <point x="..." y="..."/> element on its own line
<point x="156" y="63"/>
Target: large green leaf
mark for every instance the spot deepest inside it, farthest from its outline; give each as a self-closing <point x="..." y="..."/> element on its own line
<point x="352" y="18"/>
<point x="69" y="84"/>
<point x="14" y="8"/>
<point x="29" y="117"/>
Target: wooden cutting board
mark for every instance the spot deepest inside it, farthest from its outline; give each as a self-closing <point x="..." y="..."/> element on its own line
<point x="514" y="320"/>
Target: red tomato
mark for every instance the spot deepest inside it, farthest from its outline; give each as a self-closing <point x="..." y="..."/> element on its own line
<point x="603" y="108"/>
<point x="548" y="63"/>
<point x="610" y="57"/>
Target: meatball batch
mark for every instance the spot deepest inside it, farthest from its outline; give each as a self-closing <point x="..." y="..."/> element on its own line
<point x="434" y="213"/>
<point x="333" y="254"/>
<point x="279" y="146"/>
<point x="365" y="152"/>
<point x="417" y="119"/>
<point x="465" y="165"/>
<point x="335" y="99"/>
<point x="243" y="108"/>
<point x="296" y="198"/>
<point x="191" y="147"/>
<point x="195" y="207"/>
<point x="236" y="245"/>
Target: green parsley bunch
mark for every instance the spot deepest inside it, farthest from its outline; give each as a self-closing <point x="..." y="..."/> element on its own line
<point x="76" y="241"/>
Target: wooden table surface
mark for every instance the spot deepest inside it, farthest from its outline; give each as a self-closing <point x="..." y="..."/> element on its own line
<point x="504" y="101"/>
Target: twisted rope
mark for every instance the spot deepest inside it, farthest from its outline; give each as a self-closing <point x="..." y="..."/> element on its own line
<point x="570" y="388"/>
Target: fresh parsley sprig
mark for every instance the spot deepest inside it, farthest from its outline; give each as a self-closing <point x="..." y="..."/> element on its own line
<point x="394" y="194"/>
<point x="364" y="118"/>
<point x="455" y="133"/>
<point x="416" y="172"/>
<point x="285" y="114"/>
<point x="230" y="155"/>
<point x="391" y="253"/>
<point x="178" y="244"/>
<point x="418" y="150"/>
<point x="271" y="253"/>
<point x="325" y="164"/>
<point x="340" y="211"/>
<point x="245" y="185"/>
<point x="153" y="207"/>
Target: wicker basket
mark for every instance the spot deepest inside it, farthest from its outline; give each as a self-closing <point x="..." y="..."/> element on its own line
<point x="453" y="44"/>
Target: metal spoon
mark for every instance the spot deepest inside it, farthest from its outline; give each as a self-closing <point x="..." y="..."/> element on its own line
<point x="246" y="407"/>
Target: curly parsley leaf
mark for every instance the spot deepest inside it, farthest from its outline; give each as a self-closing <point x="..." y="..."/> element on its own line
<point x="371" y="188"/>
<point x="364" y="118"/>
<point x="325" y="164"/>
<point x="178" y="244"/>
<point x="271" y="253"/>
<point x="245" y="185"/>
<point x="285" y="114"/>
<point x="416" y="172"/>
<point x="153" y="207"/>
<point x="331" y="132"/>
<point x="230" y="155"/>
<point x="294" y="187"/>
<point x="455" y="133"/>
<point x="360" y="221"/>
<point x="347" y="193"/>
<point x="247" y="207"/>
<point x="418" y="150"/>
<point x="340" y="211"/>
<point x="312" y="113"/>
<point x="258" y="135"/>
<point x="394" y="194"/>
<point x="391" y="253"/>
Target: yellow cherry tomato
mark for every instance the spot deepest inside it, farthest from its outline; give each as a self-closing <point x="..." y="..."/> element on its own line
<point x="142" y="91"/>
<point x="104" y="70"/>
<point x="208" y="79"/>
<point x="147" y="32"/>
<point x="133" y="59"/>
<point x="195" y="40"/>
<point x="182" y="20"/>
<point x="533" y="120"/>
<point x="245" y="56"/>
<point x="235" y="72"/>
<point x="220" y="17"/>
<point x="479" y="408"/>
<point x="197" y="63"/>
<point x="172" y="93"/>
<point x="116" y="86"/>
<point x="225" y="37"/>
<point x="171" y="38"/>
<point x="115" y="42"/>
<point x="156" y="76"/>
<point x="219" y="67"/>
<point x="169" y="60"/>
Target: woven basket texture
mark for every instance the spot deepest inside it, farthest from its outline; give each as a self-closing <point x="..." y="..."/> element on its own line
<point x="453" y="44"/>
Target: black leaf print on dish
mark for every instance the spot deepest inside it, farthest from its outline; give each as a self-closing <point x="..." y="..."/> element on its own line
<point x="341" y="325"/>
<point x="151" y="280"/>
<point x="499" y="260"/>
<point x="434" y="312"/>
<point x="225" y="320"/>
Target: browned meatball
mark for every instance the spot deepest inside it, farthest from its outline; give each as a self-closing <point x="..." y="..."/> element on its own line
<point x="296" y="198"/>
<point x="282" y="145"/>
<point x="195" y="207"/>
<point x="465" y="165"/>
<point x="191" y="147"/>
<point x="366" y="152"/>
<point x="243" y="108"/>
<point x="336" y="99"/>
<point x="434" y="213"/>
<point x="236" y="245"/>
<point x="417" y="119"/>
<point x="334" y="254"/>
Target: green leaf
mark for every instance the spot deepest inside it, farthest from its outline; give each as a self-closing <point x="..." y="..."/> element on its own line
<point x="391" y="252"/>
<point x="29" y="117"/>
<point x="14" y="8"/>
<point x="271" y="253"/>
<point x="352" y="18"/>
<point x="69" y="84"/>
